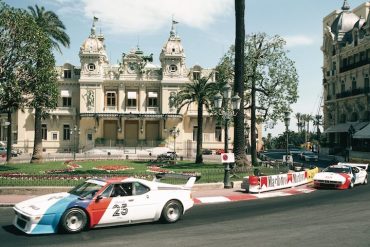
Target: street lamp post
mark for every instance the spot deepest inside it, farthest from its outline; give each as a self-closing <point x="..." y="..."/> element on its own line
<point x="247" y="130"/>
<point x="227" y="112"/>
<point x="287" y="121"/>
<point x="318" y="123"/>
<point x="174" y="133"/>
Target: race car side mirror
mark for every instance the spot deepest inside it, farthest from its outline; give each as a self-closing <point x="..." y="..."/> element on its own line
<point x="99" y="197"/>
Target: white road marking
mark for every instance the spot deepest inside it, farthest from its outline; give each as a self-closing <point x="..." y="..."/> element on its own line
<point x="213" y="199"/>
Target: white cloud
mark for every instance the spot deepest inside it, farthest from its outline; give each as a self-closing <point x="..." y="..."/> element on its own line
<point x="128" y="16"/>
<point x="298" y="40"/>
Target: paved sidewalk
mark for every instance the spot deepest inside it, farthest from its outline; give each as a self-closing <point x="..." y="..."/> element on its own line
<point x="203" y="196"/>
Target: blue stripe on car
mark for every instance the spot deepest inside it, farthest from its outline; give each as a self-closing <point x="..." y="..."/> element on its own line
<point x="50" y="220"/>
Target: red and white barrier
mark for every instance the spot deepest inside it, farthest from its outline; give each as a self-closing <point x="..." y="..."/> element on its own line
<point x="257" y="184"/>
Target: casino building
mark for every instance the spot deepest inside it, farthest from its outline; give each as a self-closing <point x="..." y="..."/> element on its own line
<point x="125" y="105"/>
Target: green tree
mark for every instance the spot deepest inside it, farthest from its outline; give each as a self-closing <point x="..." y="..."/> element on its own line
<point x="239" y="139"/>
<point x="45" y="88"/>
<point x="201" y="93"/>
<point x="270" y="78"/>
<point x="20" y="39"/>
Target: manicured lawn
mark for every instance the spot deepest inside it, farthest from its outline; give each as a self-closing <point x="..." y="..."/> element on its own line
<point x="73" y="172"/>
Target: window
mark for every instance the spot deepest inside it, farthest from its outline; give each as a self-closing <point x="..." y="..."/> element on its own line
<point x="55" y="136"/>
<point x="354" y="83"/>
<point x="89" y="136"/>
<point x="107" y="191"/>
<point x="196" y="75"/>
<point x="15" y="137"/>
<point x="111" y="98"/>
<point x="67" y="101"/>
<point x="195" y="132"/>
<point x="333" y="89"/>
<point x="152" y="99"/>
<point x="44" y="131"/>
<point x="66" y="132"/>
<point x="131" y="99"/>
<point x="173" y="68"/>
<point x="367" y="86"/>
<point x="91" y="67"/>
<point x="343" y="87"/>
<point x="67" y="73"/>
<point x="218" y="132"/>
<point x="139" y="189"/>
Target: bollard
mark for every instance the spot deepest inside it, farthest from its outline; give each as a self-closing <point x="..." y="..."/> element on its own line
<point x="126" y="157"/>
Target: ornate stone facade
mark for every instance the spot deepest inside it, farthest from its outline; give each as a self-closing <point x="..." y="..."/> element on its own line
<point x="121" y="105"/>
<point x="346" y="71"/>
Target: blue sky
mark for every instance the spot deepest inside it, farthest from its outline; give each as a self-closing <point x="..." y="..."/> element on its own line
<point x="207" y="31"/>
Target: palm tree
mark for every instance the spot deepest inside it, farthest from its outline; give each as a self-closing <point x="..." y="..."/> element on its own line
<point x="239" y="142"/>
<point x="201" y="93"/>
<point x="298" y="117"/>
<point x="53" y="28"/>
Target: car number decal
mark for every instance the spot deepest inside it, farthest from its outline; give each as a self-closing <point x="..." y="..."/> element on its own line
<point x="120" y="210"/>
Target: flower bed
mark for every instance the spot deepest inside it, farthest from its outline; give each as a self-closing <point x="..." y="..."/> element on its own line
<point x="111" y="168"/>
<point x="158" y="169"/>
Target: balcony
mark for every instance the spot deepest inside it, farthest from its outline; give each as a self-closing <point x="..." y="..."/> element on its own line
<point x="152" y="109"/>
<point x="64" y="111"/>
<point x="346" y="67"/>
<point x="354" y="92"/>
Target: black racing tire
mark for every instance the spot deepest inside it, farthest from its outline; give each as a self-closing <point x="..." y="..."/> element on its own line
<point x="365" y="181"/>
<point x="172" y="211"/>
<point x="74" y="220"/>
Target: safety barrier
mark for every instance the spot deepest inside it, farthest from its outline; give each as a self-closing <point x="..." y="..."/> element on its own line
<point x="257" y="184"/>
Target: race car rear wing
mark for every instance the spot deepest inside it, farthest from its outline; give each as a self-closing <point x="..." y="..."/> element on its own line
<point x="190" y="177"/>
<point x="363" y="166"/>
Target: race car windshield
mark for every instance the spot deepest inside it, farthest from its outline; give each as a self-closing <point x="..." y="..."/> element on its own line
<point x="337" y="169"/>
<point x="86" y="190"/>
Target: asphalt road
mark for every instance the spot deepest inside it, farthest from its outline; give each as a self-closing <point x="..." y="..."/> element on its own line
<point x="321" y="218"/>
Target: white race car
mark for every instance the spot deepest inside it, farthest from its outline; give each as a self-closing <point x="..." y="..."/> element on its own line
<point x="341" y="176"/>
<point x="104" y="202"/>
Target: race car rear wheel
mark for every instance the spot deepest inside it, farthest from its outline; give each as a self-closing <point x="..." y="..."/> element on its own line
<point x="74" y="220"/>
<point x="172" y="211"/>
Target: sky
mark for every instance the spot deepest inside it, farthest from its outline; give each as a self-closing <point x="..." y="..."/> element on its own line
<point x="207" y="30"/>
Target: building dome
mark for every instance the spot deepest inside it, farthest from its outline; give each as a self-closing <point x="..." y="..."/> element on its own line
<point x="173" y="46"/>
<point x="92" y="45"/>
<point x="344" y="22"/>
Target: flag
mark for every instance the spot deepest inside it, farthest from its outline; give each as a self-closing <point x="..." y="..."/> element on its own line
<point x="174" y="22"/>
<point x="96" y="18"/>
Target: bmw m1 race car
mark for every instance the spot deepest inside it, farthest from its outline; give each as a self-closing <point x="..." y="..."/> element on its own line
<point x="341" y="176"/>
<point x="104" y="202"/>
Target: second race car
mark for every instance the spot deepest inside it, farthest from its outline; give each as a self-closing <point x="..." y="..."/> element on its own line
<point x="341" y="176"/>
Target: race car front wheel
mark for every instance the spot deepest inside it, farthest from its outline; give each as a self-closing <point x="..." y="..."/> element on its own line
<point x="74" y="220"/>
<point x="172" y="211"/>
<point x="351" y="184"/>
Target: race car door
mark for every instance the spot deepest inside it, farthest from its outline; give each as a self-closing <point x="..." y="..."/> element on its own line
<point x="110" y="208"/>
<point x="140" y="203"/>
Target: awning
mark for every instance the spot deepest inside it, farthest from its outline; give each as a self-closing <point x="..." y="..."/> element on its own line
<point x="65" y="93"/>
<point x="131" y="95"/>
<point x="344" y="127"/>
<point x="153" y="95"/>
<point x="363" y="134"/>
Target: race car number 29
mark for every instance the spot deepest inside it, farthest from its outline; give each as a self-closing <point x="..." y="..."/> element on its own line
<point x="120" y="210"/>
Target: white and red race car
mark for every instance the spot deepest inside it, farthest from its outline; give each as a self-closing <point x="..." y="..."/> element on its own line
<point x="104" y="202"/>
<point x="341" y="176"/>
